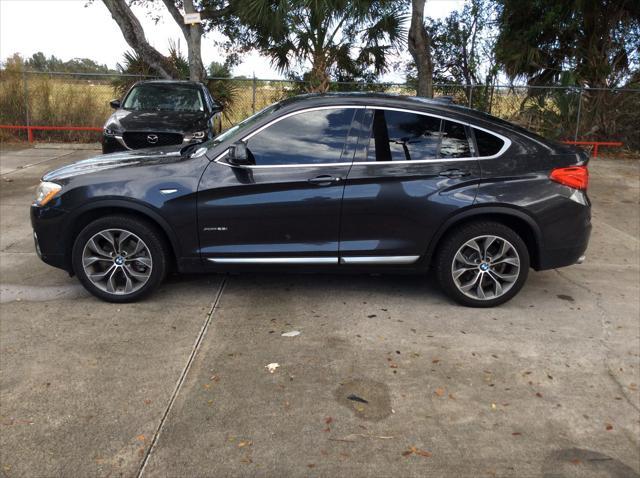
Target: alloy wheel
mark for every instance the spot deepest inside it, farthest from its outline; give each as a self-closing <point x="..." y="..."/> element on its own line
<point x="485" y="267"/>
<point x="117" y="261"/>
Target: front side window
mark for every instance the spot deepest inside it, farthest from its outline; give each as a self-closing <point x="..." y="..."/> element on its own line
<point x="164" y="97"/>
<point x="403" y="136"/>
<point x="311" y="137"/>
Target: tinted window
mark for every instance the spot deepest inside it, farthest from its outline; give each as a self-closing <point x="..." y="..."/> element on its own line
<point x="488" y="144"/>
<point x="306" y="138"/>
<point x="454" y="141"/>
<point x="403" y="136"/>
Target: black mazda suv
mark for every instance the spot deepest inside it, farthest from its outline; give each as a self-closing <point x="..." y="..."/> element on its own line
<point x="330" y="182"/>
<point x="162" y="113"/>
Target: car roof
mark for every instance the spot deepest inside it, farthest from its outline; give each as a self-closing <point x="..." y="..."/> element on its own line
<point x="170" y="82"/>
<point x="443" y="106"/>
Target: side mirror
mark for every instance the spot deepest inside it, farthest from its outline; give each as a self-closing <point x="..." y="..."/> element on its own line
<point x="239" y="154"/>
<point x="115" y="104"/>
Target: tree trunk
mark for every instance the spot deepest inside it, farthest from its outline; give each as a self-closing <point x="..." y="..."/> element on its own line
<point x="319" y="78"/>
<point x="196" y="68"/>
<point x="193" y="36"/>
<point x="134" y="36"/>
<point x="420" y="49"/>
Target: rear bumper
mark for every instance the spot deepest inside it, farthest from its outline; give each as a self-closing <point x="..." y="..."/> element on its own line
<point x="566" y="256"/>
<point x="566" y="229"/>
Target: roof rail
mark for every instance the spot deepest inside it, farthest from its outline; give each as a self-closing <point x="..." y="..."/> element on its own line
<point x="444" y="99"/>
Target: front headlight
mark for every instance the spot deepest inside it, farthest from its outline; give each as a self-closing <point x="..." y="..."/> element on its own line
<point x="199" y="135"/>
<point x="110" y="131"/>
<point x="46" y="192"/>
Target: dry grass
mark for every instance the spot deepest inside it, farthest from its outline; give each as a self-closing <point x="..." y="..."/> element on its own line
<point x="76" y="101"/>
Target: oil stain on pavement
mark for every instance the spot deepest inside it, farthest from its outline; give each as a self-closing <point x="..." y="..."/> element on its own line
<point x="368" y="399"/>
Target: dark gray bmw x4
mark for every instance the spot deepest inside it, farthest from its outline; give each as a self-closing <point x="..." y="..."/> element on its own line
<point x="332" y="182"/>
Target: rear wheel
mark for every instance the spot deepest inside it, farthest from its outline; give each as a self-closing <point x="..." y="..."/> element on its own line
<point x="482" y="264"/>
<point x="120" y="258"/>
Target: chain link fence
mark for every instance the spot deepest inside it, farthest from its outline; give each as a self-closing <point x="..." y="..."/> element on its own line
<point x="70" y="99"/>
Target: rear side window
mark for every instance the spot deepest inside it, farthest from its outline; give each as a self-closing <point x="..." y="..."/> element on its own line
<point x="403" y="136"/>
<point x="310" y="137"/>
<point x="488" y="144"/>
<point x="455" y="143"/>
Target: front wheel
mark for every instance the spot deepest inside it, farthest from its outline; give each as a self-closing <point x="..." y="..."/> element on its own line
<point x="119" y="258"/>
<point x="482" y="264"/>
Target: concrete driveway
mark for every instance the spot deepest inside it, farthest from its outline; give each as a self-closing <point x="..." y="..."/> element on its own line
<point x="386" y="378"/>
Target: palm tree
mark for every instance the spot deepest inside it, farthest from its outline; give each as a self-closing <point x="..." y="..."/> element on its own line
<point x="133" y="68"/>
<point x="331" y="37"/>
<point x="223" y="88"/>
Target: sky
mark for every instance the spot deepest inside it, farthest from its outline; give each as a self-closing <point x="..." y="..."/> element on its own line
<point x="72" y="29"/>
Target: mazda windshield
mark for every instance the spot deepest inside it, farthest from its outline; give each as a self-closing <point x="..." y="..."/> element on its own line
<point x="159" y="97"/>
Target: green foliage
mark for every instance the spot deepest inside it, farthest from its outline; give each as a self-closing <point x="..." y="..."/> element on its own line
<point x="39" y="62"/>
<point x="133" y="68"/>
<point x="594" y="43"/>
<point x="463" y="44"/>
<point x="223" y="89"/>
<point x="332" y="38"/>
<point x="599" y="40"/>
<point x="177" y="58"/>
<point x="462" y="52"/>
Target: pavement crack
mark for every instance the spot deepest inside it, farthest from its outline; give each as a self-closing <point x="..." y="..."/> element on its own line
<point x="183" y="376"/>
<point x="604" y="319"/>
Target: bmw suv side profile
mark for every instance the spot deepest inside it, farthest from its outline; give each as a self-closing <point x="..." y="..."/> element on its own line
<point x="331" y="182"/>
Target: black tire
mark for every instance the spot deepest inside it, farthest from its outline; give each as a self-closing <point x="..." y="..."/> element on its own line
<point x="455" y="239"/>
<point x="152" y="239"/>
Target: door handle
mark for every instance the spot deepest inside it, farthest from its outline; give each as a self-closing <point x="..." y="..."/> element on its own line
<point x="324" y="180"/>
<point x="454" y="173"/>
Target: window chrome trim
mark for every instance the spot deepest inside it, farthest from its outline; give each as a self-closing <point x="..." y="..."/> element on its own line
<point x="362" y="260"/>
<point x="273" y="260"/>
<point x="294" y="113"/>
<point x="506" y="142"/>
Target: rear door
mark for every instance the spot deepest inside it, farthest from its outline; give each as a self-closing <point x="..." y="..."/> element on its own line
<point x="411" y="172"/>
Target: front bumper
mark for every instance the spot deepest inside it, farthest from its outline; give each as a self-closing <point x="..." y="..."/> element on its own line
<point x="110" y="144"/>
<point x="114" y="144"/>
<point x="49" y="226"/>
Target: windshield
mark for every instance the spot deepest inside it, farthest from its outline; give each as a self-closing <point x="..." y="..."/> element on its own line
<point x="236" y="131"/>
<point x="164" y="97"/>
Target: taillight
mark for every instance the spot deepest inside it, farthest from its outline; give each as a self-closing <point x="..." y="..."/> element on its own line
<point x="576" y="177"/>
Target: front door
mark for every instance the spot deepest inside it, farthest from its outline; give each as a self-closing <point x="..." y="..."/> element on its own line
<point x="413" y="170"/>
<point x="284" y="208"/>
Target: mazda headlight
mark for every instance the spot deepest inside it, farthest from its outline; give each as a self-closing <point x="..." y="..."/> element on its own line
<point x="199" y="135"/>
<point x="46" y="192"/>
<point x="111" y="131"/>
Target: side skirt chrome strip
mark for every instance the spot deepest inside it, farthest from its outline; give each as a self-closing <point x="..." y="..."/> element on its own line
<point x="356" y="260"/>
<point x="273" y="260"/>
<point x="378" y="259"/>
